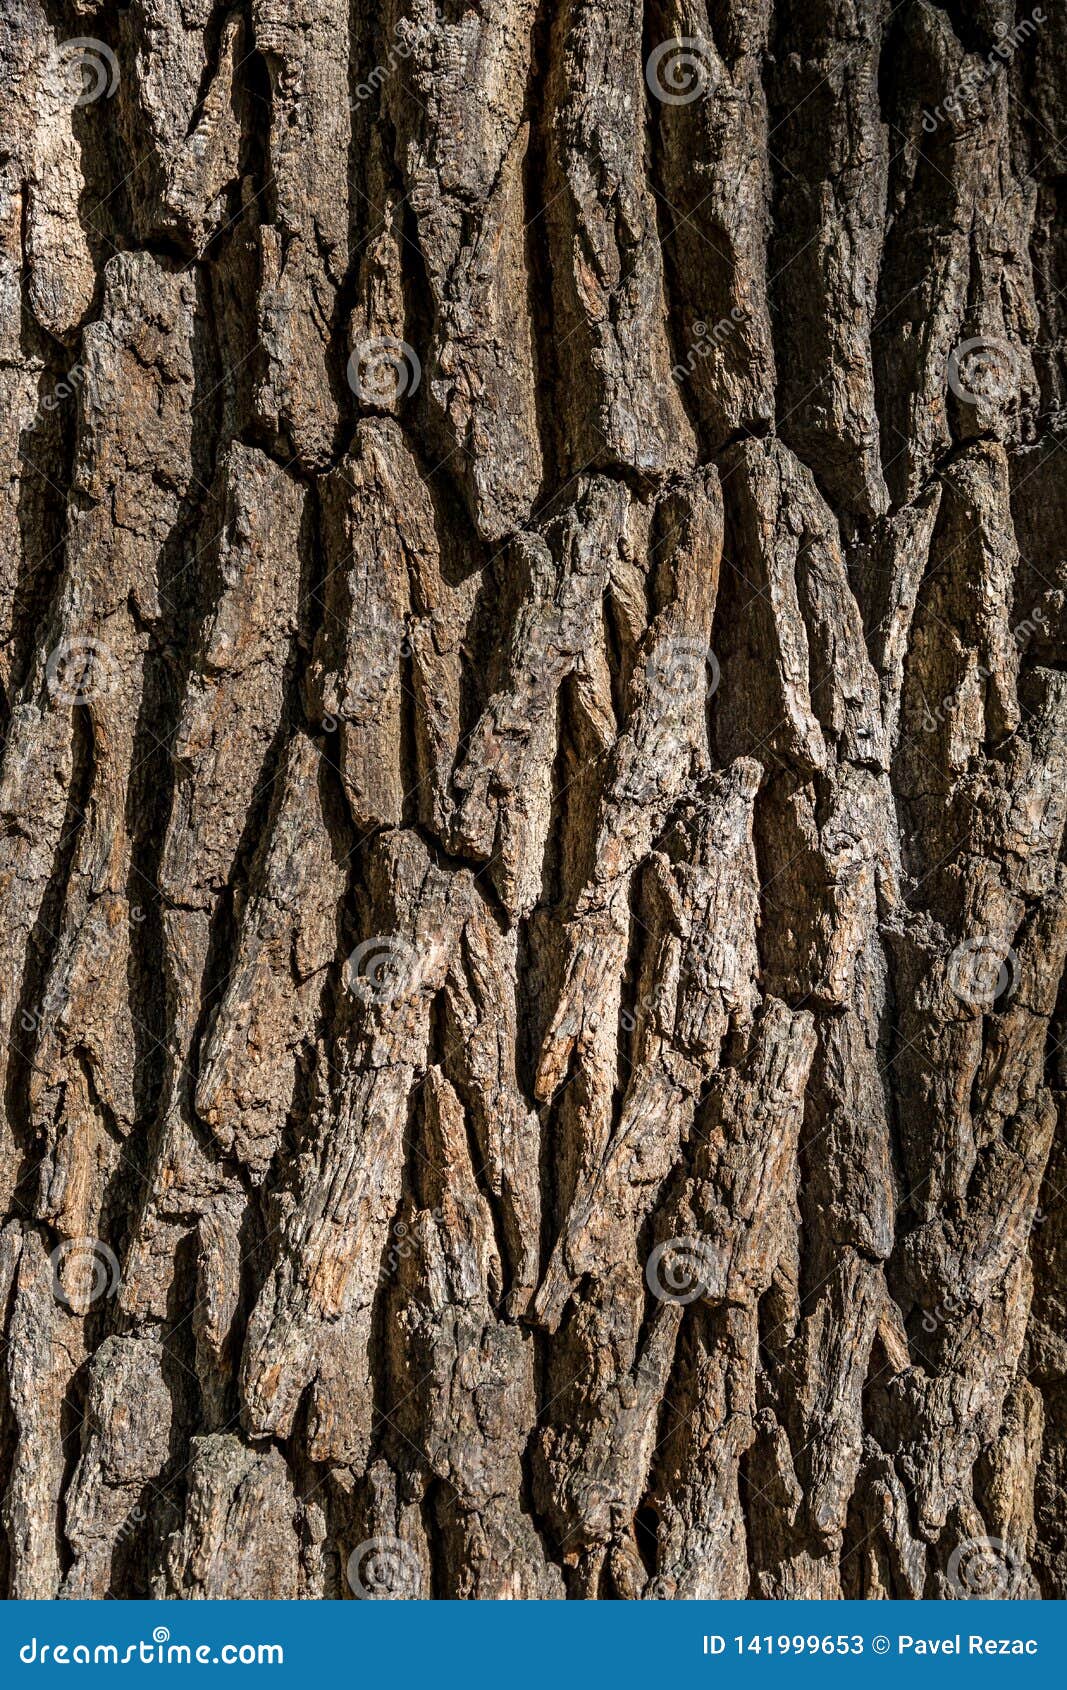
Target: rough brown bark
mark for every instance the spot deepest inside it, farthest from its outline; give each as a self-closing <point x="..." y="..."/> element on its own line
<point x="534" y="712"/>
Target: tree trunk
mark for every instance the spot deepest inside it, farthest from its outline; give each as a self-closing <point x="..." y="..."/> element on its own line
<point x="534" y="732"/>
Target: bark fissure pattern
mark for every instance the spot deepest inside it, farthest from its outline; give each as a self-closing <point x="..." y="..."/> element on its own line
<point x="533" y="701"/>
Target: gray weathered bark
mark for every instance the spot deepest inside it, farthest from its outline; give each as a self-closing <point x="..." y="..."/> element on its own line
<point x="534" y="712"/>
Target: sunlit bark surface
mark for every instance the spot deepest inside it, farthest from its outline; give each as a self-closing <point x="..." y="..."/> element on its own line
<point x="533" y="696"/>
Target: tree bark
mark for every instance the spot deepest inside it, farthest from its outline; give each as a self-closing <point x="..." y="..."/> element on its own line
<point x="534" y="710"/>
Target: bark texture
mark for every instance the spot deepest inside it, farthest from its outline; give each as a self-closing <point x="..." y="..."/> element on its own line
<point x="533" y="692"/>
